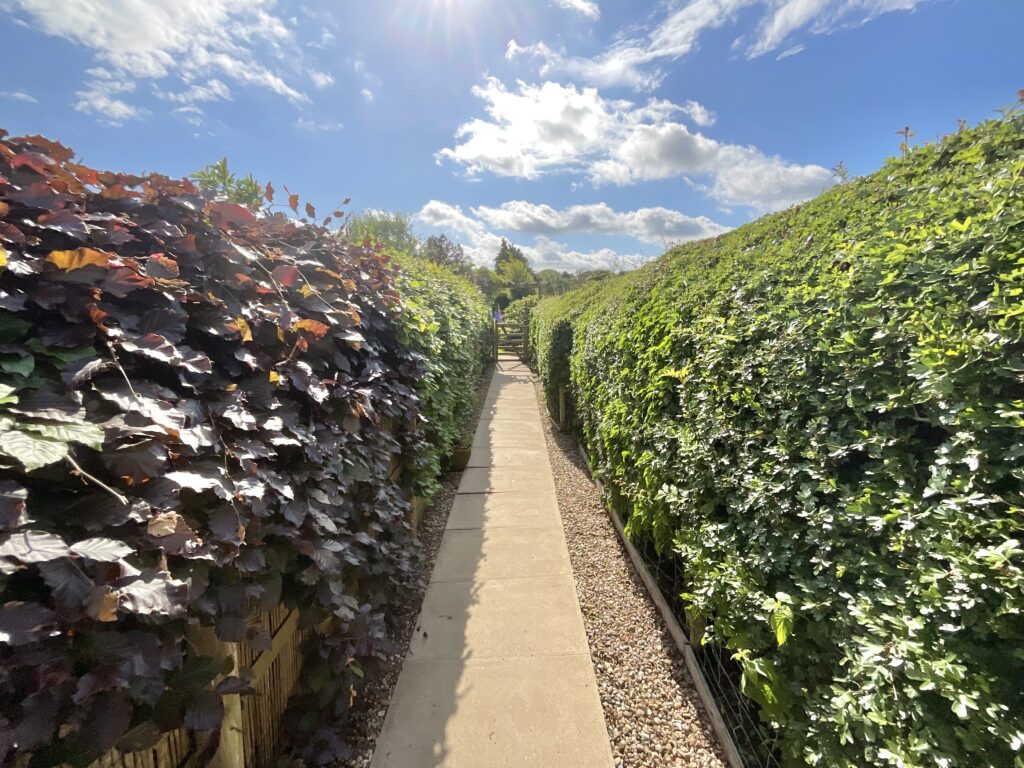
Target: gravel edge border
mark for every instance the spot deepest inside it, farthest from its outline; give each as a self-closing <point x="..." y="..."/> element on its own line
<point x="653" y="713"/>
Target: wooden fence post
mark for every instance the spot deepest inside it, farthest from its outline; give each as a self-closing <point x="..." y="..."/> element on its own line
<point x="563" y="410"/>
<point x="230" y="752"/>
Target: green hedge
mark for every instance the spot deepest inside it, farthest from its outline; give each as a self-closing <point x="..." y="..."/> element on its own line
<point x="519" y="310"/>
<point x="822" y="413"/>
<point x="551" y="337"/>
<point x="447" y="322"/>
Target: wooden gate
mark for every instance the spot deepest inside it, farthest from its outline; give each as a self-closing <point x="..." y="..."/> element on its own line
<point x="510" y="338"/>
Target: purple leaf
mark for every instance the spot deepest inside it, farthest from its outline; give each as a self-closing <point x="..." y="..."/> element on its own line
<point x="23" y="623"/>
<point x="154" y="592"/>
<point x="12" y="505"/>
<point x="102" y="549"/>
<point x="205" y="711"/>
<point x="34" y="547"/>
<point x="69" y="585"/>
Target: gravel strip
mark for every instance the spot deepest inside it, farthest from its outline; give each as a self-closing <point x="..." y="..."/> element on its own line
<point x="367" y="716"/>
<point x="654" y="716"/>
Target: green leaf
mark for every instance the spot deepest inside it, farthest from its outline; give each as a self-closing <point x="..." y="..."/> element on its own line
<point x="60" y="355"/>
<point x="7" y="395"/>
<point x="762" y="683"/>
<point x="781" y="618"/>
<point x="80" y="432"/>
<point x="21" y="366"/>
<point x="33" y="452"/>
<point x="12" y="328"/>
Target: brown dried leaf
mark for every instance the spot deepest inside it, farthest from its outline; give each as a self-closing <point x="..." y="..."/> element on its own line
<point x="78" y="258"/>
<point x="163" y="524"/>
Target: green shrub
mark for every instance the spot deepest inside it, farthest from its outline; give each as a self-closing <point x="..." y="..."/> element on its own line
<point x="551" y="337"/>
<point x="822" y="413"/>
<point x="447" y="323"/>
<point x="519" y="310"/>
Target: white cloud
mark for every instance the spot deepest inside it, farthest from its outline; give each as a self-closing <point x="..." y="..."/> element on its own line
<point x="746" y="176"/>
<point x="317" y="126"/>
<point x="244" y="72"/>
<point x="587" y="8"/>
<point x="819" y="17"/>
<point x="451" y="217"/>
<point x="650" y="225"/>
<point x="550" y="254"/>
<point x="658" y="226"/>
<point x="700" y="114"/>
<point x="212" y="90"/>
<point x="326" y="39"/>
<point x="102" y="98"/>
<point x="621" y="68"/>
<point x="369" y="81"/>
<point x="536" y="129"/>
<point x="633" y="61"/>
<point x="185" y="40"/>
<point x="554" y="128"/>
<point x="190" y="113"/>
<point x="321" y="79"/>
<point x="19" y="96"/>
<point x="791" y="51"/>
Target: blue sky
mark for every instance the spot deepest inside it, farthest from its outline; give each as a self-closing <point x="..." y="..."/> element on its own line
<point x="590" y="132"/>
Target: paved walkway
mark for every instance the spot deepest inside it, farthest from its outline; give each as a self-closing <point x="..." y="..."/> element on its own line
<point x="499" y="672"/>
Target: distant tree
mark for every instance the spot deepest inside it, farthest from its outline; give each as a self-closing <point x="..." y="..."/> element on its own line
<point x="513" y="273"/>
<point x="218" y="183"/>
<point x="390" y="229"/>
<point x="440" y="250"/>
<point x="508" y="253"/>
<point x="551" y="282"/>
<point x="517" y="279"/>
<point x="595" y="274"/>
<point x="488" y="282"/>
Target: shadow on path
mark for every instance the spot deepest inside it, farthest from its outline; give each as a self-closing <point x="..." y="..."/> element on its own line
<point x="498" y="671"/>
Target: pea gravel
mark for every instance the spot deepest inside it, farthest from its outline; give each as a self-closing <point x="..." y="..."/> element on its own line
<point x="653" y="714"/>
<point x="652" y="711"/>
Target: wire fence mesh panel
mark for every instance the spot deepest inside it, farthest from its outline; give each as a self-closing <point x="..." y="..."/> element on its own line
<point x="756" y="741"/>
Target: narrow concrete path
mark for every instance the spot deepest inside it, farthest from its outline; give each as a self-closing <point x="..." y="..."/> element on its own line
<point x="498" y="672"/>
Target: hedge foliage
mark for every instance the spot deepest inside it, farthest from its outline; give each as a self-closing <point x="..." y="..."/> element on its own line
<point x="822" y="413"/>
<point x="447" y="323"/>
<point x="551" y="332"/>
<point x="200" y="411"/>
<point x="519" y="310"/>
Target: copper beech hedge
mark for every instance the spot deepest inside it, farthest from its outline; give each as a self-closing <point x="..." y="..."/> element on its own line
<point x="199" y="410"/>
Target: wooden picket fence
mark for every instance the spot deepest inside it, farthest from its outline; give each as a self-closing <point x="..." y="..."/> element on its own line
<point x="251" y="734"/>
<point x="175" y="748"/>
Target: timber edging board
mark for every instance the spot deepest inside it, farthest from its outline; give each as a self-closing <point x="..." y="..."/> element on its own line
<point x="721" y="730"/>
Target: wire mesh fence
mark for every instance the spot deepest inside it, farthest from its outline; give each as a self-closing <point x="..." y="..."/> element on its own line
<point x="756" y="741"/>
